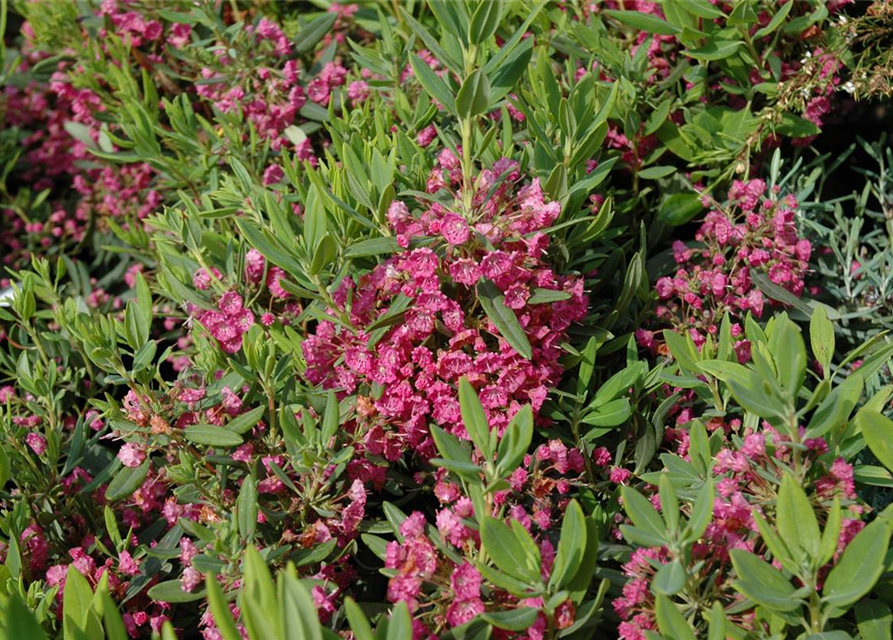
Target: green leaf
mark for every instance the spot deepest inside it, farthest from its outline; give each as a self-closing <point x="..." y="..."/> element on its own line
<point x="433" y="84"/>
<point x="223" y="619"/>
<point x="669" y="503"/>
<point x="775" y="544"/>
<point x="821" y="334"/>
<point x="762" y="583"/>
<point x="789" y="352"/>
<point x="641" y="512"/>
<point x="571" y="547"/>
<point x="299" y="620"/>
<point x="246" y="422"/>
<point x="547" y="296"/>
<point x="644" y="22"/>
<point x="877" y="430"/>
<point x="796" y="520"/>
<point x="19" y="622"/>
<point x="359" y="624"/>
<point x="260" y="606"/>
<point x="4" y="467"/>
<point x="474" y="418"/>
<point x="114" y="623"/>
<point x="703" y="9"/>
<point x="670" y="579"/>
<point x="796" y="127"/>
<point x="874" y="620"/>
<point x="595" y="178"/>
<point x="484" y="21"/>
<point x="701" y="513"/>
<point x="473" y="98"/>
<point x="400" y="624"/>
<point x="835" y="409"/>
<point x="493" y="303"/>
<point x="655" y="173"/>
<point x="449" y="446"/>
<point x="610" y="414"/>
<point x="717" y="622"/>
<point x="508" y="552"/>
<point x="519" y="619"/>
<point x="515" y="442"/>
<point x="858" y="568"/>
<point x="325" y="252"/>
<point x="77" y="600"/>
<point x="716" y="50"/>
<point x="775" y="22"/>
<point x="331" y="418"/>
<point x="372" y="247"/>
<point x="246" y="508"/>
<point x="126" y="481"/>
<point x="682" y="350"/>
<point x="670" y="622"/>
<point x="505" y="76"/>
<point x="212" y="435"/>
<point x="314" y="31"/>
<point x="831" y="534"/>
<point x="172" y="591"/>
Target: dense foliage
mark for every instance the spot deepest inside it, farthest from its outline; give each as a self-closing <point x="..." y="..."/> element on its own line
<point x="446" y="319"/>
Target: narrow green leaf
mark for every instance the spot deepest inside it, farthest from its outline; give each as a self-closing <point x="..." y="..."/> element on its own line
<point x="474" y="418"/>
<point x="433" y="84"/>
<point x="671" y="622"/>
<point x="126" y="481"/>
<point x="715" y="50"/>
<point x="515" y="442"/>
<point x="877" y="430"/>
<point x="762" y="583"/>
<point x="643" y="22"/>
<point x="571" y="547"/>
<point x="212" y="435"/>
<point x="858" y="568"/>
<point x="519" y="619"/>
<point x="172" y="591"/>
<point x="507" y="552"/>
<point x="484" y="21"/>
<point x="796" y="520"/>
<point x="473" y="98"/>
<point x="246" y="508"/>
<point x="299" y="619"/>
<point x="223" y="619"/>
<point x="246" y="422"/>
<point x="874" y="620"/>
<point x="641" y="512"/>
<point x="314" y="31"/>
<point x="505" y="320"/>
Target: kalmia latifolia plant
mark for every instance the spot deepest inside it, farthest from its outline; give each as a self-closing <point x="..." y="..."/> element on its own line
<point x="445" y="319"/>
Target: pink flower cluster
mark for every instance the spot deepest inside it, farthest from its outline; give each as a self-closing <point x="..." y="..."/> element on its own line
<point x="747" y="477"/>
<point x="755" y="233"/>
<point x="443" y="335"/>
<point x="271" y="92"/>
<point x="229" y="323"/>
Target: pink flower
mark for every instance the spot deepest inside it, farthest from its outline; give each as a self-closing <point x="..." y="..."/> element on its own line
<point x="37" y="443"/>
<point x="619" y="475"/>
<point x="463" y="611"/>
<point x="127" y="565"/>
<point x="131" y="455"/>
<point x="180" y="33"/>
<point x="426" y="136"/>
<point x="466" y="582"/>
<point x="273" y="174"/>
<point x="454" y="229"/>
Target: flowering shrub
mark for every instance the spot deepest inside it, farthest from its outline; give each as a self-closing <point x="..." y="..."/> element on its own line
<point x="441" y="320"/>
